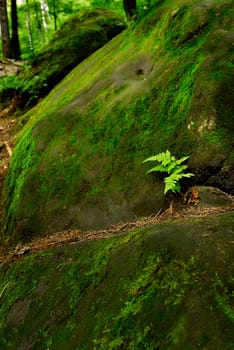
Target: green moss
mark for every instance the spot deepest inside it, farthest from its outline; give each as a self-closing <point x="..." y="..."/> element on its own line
<point x="158" y="85"/>
<point x="166" y="287"/>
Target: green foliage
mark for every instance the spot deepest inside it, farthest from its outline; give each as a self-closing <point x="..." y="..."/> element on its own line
<point x="9" y="82"/>
<point x="87" y="29"/>
<point x="41" y="26"/>
<point x="173" y="167"/>
<point x="223" y="297"/>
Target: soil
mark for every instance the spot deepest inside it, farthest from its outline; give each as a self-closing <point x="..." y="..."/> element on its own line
<point x="9" y="67"/>
<point x="6" y="146"/>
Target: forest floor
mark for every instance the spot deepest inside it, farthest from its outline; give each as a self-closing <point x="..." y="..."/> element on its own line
<point x="6" y="146"/>
<point x="9" y="67"/>
<point x="76" y="236"/>
<point x="62" y="238"/>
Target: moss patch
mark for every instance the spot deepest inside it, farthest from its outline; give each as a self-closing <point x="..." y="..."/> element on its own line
<point x="158" y="85"/>
<point x="166" y="287"/>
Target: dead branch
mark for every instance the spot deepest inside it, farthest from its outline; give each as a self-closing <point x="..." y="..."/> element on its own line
<point x="8" y="148"/>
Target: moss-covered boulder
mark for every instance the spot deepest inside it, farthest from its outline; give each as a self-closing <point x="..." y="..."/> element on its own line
<point x="164" y="83"/>
<point x="165" y="287"/>
<point x="78" y="37"/>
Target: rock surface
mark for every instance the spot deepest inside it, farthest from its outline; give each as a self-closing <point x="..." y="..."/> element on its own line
<point x="159" y="85"/>
<point x="168" y="286"/>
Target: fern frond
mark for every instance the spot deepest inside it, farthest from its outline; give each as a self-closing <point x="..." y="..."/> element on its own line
<point x="181" y="160"/>
<point x="171" y="184"/>
<point x="163" y="157"/>
<point x="179" y="169"/>
<point x="166" y="158"/>
<point x="173" y="167"/>
<point x="159" y="168"/>
<point x="188" y="175"/>
<point x="172" y="181"/>
<point x="150" y="159"/>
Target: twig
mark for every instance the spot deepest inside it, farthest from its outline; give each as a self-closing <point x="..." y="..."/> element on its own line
<point x="4" y="288"/>
<point x="8" y="148"/>
<point x="157" y="214"/>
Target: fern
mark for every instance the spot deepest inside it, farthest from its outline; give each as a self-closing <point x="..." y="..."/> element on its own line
<point x="173" y="167"/>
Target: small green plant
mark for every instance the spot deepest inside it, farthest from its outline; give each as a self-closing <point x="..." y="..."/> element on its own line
<point x="173" y="167"/>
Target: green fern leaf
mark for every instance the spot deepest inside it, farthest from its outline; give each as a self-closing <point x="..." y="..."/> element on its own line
<point x="181" y="160"/>
<point x="171" y="184"/>
<point x="173" y="167"/>
<point x="150" y="159"/>
<point x="179" y="169"/>
<point x="188" y="175"/>
<point x="159" y="168"/>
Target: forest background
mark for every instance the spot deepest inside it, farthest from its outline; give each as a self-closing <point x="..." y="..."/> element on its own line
<point x="26" y="25"/>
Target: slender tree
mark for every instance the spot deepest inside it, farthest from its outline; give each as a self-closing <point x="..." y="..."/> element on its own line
<point x="4" y="29"/>
<point x="55" y="13"/>
<point x="15" y="45"/>
<point x="130" y="8"/>
<point x="37" y="10"/>
<point x="29" y="28"/>
<point x="44" y="13"/>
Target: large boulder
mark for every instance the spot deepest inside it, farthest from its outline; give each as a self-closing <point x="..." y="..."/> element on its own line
<point x="166" y="287"/>
<point x="78" y="38"/>
<point x="164" y="83"/>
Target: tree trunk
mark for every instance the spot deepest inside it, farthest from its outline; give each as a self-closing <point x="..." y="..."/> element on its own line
<point x="28" y="24"/>
<point x="44" y="14"/>
<point x="130" y="8"/>
<point x="15" y="45"/>
<point x="38" y="19"/>
<point x="4" y="29"/>
<point x="55" y="14"/>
